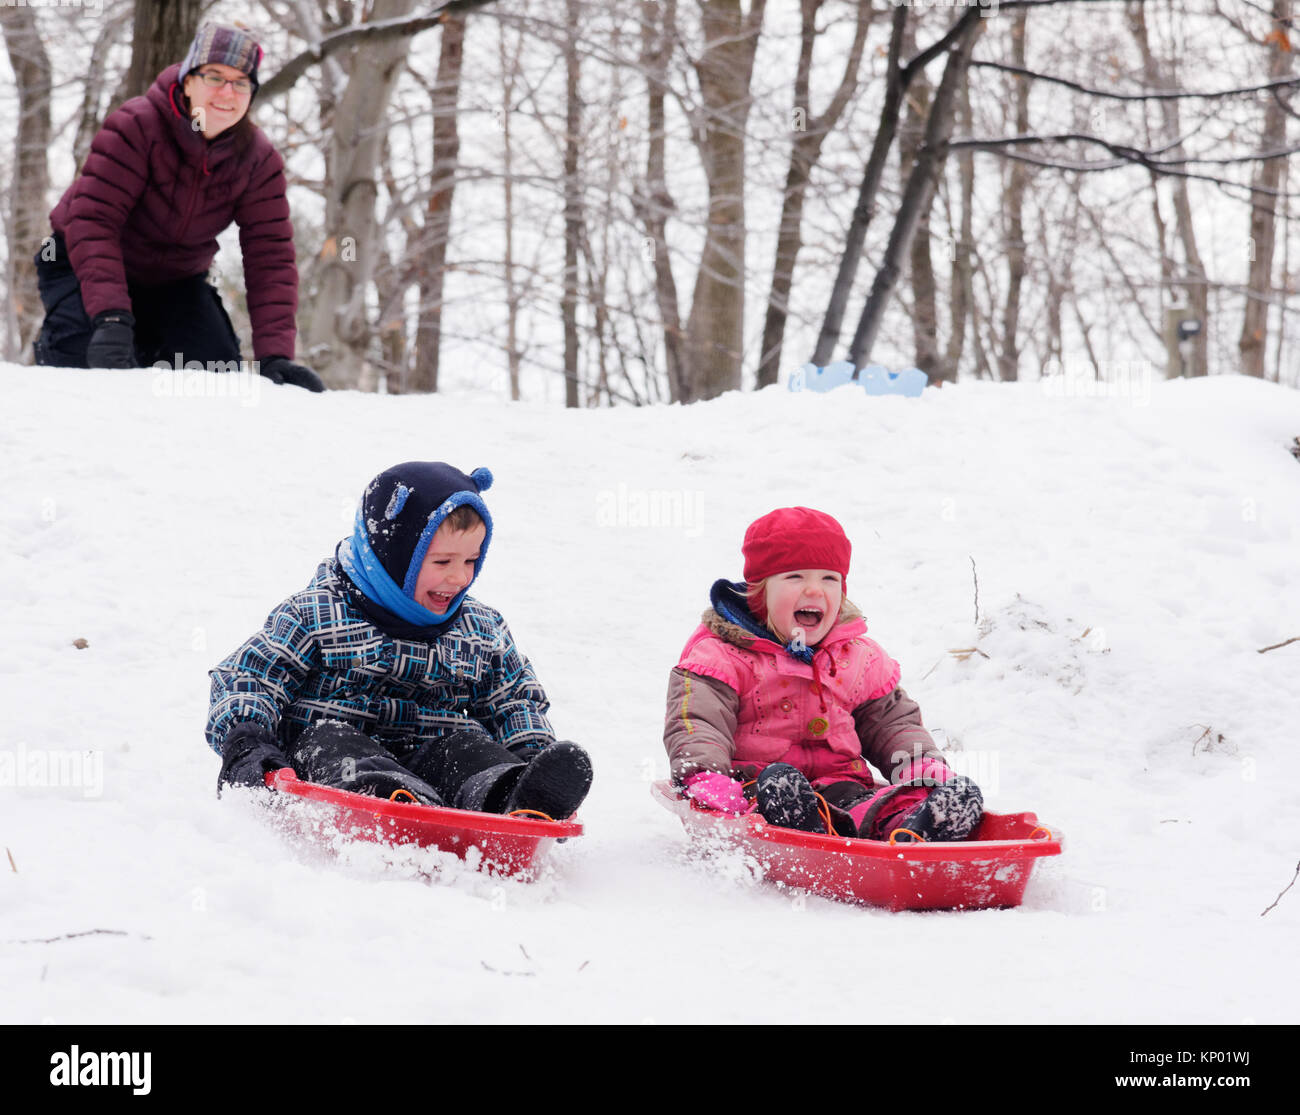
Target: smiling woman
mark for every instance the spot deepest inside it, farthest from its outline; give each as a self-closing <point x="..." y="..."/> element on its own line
<point x="124" y="276"/>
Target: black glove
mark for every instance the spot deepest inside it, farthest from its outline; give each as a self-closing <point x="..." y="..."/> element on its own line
<point x="246" y="756"/>
<point x="112" y="341"/>
<point x="278" y="369"/>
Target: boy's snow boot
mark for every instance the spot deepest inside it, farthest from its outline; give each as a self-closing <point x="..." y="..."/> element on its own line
<point x="786" y="798"/>
<point x="555" y="782"/>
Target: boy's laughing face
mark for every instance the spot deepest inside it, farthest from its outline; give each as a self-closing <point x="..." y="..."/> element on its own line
<point x="808" y="599"/>
<point x="448" y="566"/>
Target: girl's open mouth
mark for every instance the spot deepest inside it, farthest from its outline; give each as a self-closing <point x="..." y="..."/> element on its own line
<point x="808" y="617"/>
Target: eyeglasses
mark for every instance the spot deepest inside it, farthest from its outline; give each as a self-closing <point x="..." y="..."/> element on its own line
<point x="214" y="80"/>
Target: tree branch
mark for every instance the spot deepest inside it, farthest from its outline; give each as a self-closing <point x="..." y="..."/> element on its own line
<point x="1280" y="83"/>
<point x="288" y="75"/>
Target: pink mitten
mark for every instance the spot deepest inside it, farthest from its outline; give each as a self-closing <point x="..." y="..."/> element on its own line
<point x="717" y="791"/>
<point x="929" y="770"/>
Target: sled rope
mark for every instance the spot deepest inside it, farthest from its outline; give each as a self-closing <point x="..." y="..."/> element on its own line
<point x="530" y="813"/>
<point x="409" y="796"/>
<point x="1047" y="833"/>
<point x="915" y="836"/>
<point x="825" y="810"/>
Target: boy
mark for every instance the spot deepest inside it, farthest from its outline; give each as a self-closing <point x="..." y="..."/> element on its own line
<point x="383" y="675"/>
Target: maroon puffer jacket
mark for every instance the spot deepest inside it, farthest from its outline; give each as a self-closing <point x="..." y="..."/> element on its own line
<point x="152" y="198"/>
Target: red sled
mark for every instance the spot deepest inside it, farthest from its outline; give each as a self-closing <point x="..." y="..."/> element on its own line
<point x="510" y="845"/>
<point x="989" y="870"/>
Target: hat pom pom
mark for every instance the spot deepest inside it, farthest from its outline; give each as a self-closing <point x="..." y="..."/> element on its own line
<point x="482" y="477"/>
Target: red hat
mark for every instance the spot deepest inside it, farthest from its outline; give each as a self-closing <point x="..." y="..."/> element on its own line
<point x="795" y="538"/>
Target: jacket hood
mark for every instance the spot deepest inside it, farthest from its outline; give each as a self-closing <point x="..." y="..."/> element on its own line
<point x="731" y="620"/>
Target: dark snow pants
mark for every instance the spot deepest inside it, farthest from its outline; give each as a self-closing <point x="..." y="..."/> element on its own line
<point x="175" y="322"/>
<point x="466" y="769"/>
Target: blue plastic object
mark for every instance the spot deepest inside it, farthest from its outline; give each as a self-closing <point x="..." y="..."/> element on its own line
<point x="876" y="379"/>
<point x="809" y="377"/>
<point x="879" y="380"/>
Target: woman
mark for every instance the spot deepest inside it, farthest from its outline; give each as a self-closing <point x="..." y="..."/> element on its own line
<point x="124" y="277"/>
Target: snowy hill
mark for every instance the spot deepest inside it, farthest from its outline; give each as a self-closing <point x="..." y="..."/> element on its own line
<point x="1132" y="555"/>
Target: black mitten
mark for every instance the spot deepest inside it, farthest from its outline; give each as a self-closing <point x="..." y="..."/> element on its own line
<point x="249" y="752"/>
<point x="112" y="341"/>
<point x="278" y="369"/>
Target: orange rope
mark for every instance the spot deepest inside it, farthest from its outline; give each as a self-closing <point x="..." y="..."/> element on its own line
<point x="1047" y="833"/>
<point x="915" y="836"/>
<point x="825" y="811"/>
<point x="531" y="813"/>
<point x="409" y="796"/>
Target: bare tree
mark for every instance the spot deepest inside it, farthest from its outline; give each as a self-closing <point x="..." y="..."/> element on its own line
<point x="919" y="190"/>
<point x="31" y="176"/>
<point x="808" y="135"/>
<point x="161" y="33"/>
<point x="1263" y="200"/>
<point x="430" y="251"/>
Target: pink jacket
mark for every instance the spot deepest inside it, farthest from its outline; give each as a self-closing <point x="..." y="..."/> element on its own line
<point x="740" y="702"/>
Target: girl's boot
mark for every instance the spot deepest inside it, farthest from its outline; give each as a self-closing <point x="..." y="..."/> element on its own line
<point x="786" y="798"/>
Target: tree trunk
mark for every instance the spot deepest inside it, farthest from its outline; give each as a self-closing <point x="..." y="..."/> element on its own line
<point x="340" y="332"/>
<point x="918" y="192"/>
<point x="961" y="282"/>
<point x="1194" y="278"/>
<point x="572" y="202"/>
<point x="1263" y="209"/>
<point x="653" y="203"/>
<point x="28" y="219"/>
<point x="925" y="316"/>
<point x="805" y="149"/>
<point x="865" y="209"/>
<point x="437" y="214"/>
<point x="161" y="33"/>
<point x="715" y="327"/>
<point x="1009" y="361"/>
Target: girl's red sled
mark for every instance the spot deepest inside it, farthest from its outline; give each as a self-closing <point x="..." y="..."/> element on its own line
<point x="510" y="845"/>
<point x="988" y="870"/>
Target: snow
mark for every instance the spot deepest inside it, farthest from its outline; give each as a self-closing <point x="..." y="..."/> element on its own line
<point x="1133" y="553"/>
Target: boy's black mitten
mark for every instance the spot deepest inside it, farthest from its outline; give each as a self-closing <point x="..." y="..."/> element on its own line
<point x="278" y="369"/>
<point x="246" y="756"/>
<point x="112" y="341"/>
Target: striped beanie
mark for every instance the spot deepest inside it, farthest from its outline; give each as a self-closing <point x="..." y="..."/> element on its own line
<point x="226" y="45"/>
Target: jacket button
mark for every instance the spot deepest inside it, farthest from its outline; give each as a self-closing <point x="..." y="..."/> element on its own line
<point x="787" y="705"/>
<point x="817" y="726"/>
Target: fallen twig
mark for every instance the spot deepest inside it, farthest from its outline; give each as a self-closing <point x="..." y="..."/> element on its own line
<point x="1284" y="890"/>
<point x="70" y="936"/>
<point x="11" y="860"/>
<point x="503" y="972"/>
<point x="977" y="589"/>
<point x="963" y="653"/>
<point x="1265" y="650"/>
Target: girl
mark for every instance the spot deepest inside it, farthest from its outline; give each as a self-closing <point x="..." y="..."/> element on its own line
<point x="780" y="684"/>
<point x="124" y="277"/>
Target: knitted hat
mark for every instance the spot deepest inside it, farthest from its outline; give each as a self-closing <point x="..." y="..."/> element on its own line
<point x="795" y="538"/>
<point x="229" y="46"/>
<point x="400" y="512"/>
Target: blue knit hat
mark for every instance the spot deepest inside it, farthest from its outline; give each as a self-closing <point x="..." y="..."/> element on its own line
<point x="225" y="45"/>
<point x="400" y="512"/>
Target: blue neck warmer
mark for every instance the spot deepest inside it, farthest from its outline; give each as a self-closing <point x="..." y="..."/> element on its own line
<point x="400" y="512"/>
<point x="729" y="601"/>
<point x="359" y="563"/>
